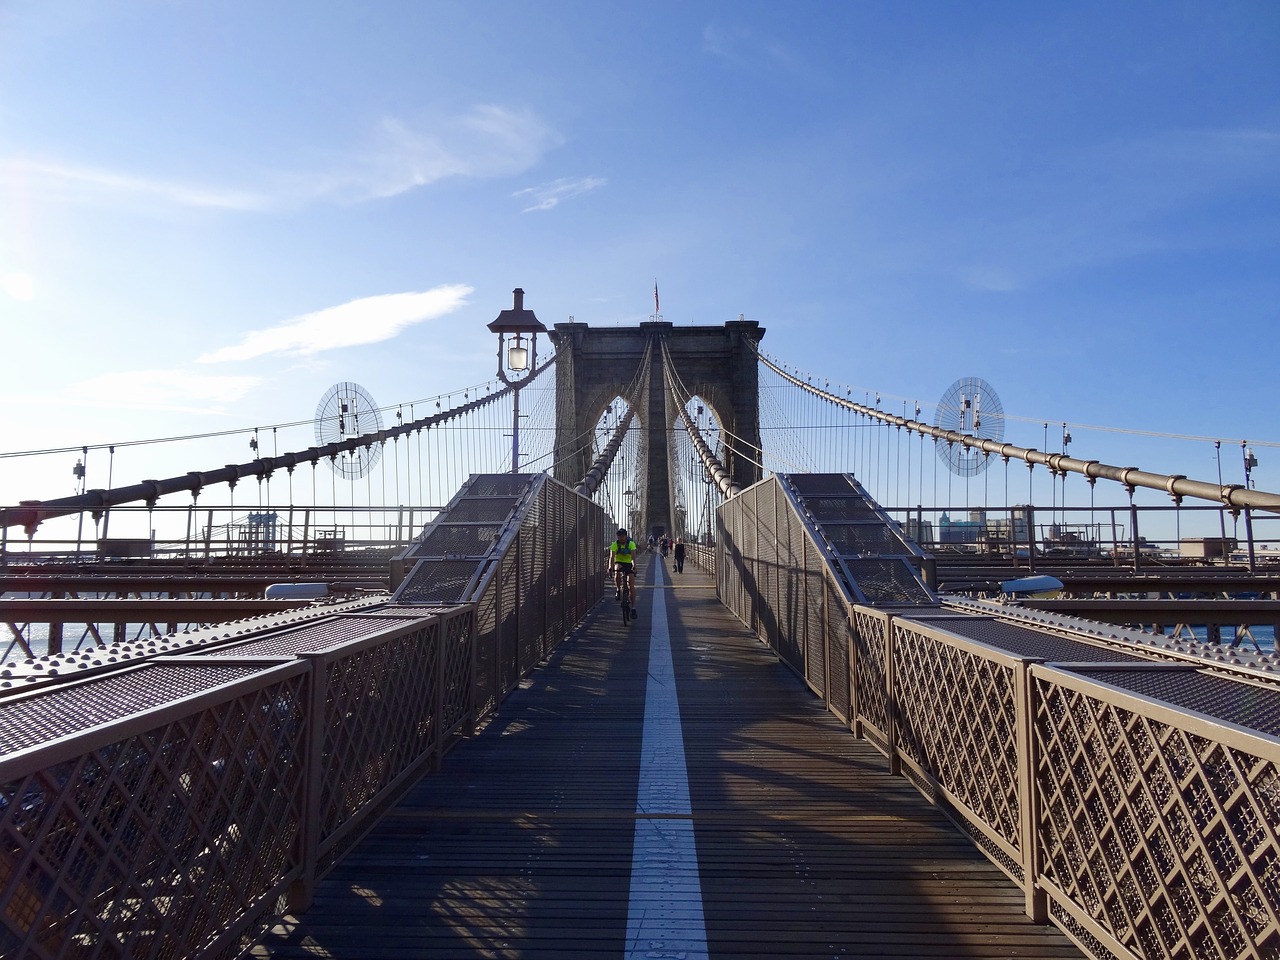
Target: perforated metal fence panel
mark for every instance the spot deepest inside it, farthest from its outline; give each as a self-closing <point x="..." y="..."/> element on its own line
<point x="1023" y="641"/>
<point x="795" y="549"/>
<point x="439" y="582"/>
<point x="1248" y="705"/>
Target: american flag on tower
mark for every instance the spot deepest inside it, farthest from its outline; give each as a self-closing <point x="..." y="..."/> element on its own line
<point x="656" y="308"/>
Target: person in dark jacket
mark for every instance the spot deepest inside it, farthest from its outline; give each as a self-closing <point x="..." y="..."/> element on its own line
<point x="679" y="553"/>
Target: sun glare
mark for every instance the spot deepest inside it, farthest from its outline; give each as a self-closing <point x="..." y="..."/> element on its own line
<point x="18" y="286"/>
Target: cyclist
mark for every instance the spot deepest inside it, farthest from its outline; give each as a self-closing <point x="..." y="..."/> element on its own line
<point x="622" y="555"/>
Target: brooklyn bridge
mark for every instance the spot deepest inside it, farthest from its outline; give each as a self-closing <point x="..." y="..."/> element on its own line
<point x="910" y="690"/>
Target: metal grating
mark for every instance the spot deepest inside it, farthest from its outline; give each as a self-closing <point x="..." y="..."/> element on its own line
<point x="840" y="510"/>
<point x="887" y="581"/>
<point x="821" y="484"/>
<point x="458" y="681"/>
<point x="437" y="581"/>
<point x="815" y="627"/>
<point x="487" y="678"/>
<point x="853" y="539"/>
<point x="407" y="612"/>
<point x="499" y="485"/>
<point x="1025" y="642"/>
<point x="838" y="645"/>
<point x="320" y="636"/>
<point x="62" y="711"/>
<point x="481" y="511"/>
<point x="459" y="539"/>
<point x="1254" y="707"/>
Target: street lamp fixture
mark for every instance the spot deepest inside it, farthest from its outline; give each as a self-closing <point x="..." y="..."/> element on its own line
<point x="516" y="323"/>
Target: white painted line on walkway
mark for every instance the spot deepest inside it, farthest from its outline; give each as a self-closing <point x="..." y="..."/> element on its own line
<point x="664" y="918"/>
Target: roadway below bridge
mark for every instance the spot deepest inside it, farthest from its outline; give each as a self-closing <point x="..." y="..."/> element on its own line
<point x="660" y="790"/>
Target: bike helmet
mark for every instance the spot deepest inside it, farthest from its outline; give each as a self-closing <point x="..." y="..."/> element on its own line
<point x="621" y="532"/>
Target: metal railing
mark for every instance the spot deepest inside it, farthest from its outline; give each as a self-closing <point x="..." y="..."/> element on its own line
<point x="172" y="803"/>
<point x="171" y="808"/>
<point x="702" y="555"/>
<point x="1130" y="789"/>
<point x="196" y="533"/>
<point x="1131" y="537"/>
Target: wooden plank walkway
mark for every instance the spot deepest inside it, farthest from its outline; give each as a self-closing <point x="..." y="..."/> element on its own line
<point x="524" y="845"/>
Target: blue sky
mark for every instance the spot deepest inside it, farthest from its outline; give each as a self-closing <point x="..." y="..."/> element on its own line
<point x="211" y="212"/>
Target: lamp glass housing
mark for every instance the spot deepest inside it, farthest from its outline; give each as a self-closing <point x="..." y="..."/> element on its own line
<point x="518" y="357"/>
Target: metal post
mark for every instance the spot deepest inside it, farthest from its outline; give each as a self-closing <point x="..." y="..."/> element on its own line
<point x="1115" y="540"/>
<point x="1222" y="514"/>
<point x="306" y="533"/>
<point x="1035" y="902"/>
<point x="1031" y="539"/>
<point x="1133" y="520"/>
<point x="891" y="700"/>
<point x="515" y="430"/>
<point x="302" y="891"/>
<point x="1248" y="534"/>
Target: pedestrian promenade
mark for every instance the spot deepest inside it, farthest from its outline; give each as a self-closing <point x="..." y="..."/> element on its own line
<point x="664" y="790"/>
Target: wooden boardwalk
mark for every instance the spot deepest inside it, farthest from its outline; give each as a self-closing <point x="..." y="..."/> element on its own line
<point x="529" y="843"/>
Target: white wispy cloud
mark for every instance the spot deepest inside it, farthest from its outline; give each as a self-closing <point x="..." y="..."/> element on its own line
<point x="357" y="323"/>
<point x="179" y="391"/>
<point x="18" y="285"/>
<point x="547" y="195"/>
<point x="486" y="141"/>
<point x="744" y="47"/>
<point x="72" y="182"/>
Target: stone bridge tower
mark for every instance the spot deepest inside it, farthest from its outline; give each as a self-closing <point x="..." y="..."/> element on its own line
<point x="596" y="364"/>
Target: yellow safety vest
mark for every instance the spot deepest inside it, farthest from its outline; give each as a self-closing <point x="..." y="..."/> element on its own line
<point x="622" y="553"/>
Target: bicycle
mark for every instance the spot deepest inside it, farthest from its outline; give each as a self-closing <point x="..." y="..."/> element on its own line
<point x="623" y="593"/>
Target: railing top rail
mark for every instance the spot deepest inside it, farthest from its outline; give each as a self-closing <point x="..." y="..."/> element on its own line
<point x="1235" y="496"/>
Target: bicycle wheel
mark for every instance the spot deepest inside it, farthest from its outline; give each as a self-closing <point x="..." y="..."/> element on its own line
<point x="626" y="610"/>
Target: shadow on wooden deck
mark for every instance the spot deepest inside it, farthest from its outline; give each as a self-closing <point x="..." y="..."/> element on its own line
<point x="806" y="846"/>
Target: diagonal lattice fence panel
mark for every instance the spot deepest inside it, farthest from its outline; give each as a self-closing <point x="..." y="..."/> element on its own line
<point x="1134" y="798"/>
<point x="870" y="680"/>
<point x="955" y="720"/>
<point x="167" y="834"/>
<point x="1159" y="828"/>
<point x="173" y="807"/>
<point x="380" y="720"/>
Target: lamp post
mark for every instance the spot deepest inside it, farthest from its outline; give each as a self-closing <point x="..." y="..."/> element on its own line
<point x="1250" y="461"/>
<point x="516" y="323"/>
<point x="630" y="511"/>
